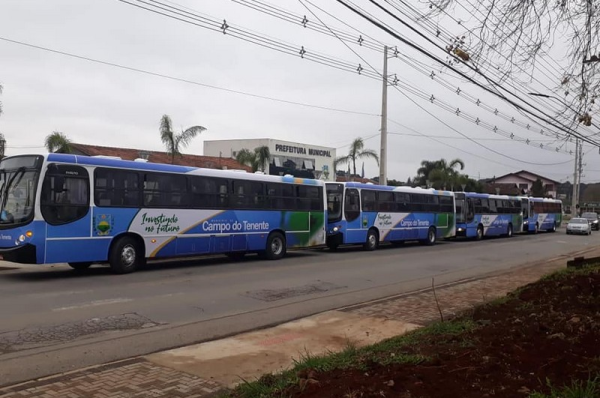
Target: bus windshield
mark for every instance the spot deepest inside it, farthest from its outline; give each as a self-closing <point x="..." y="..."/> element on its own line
<point x="18" y="182"/>
<point x="334" y="202"/>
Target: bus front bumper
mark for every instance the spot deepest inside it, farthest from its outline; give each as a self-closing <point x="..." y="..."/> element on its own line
<point x="335" y="239"/>
<point x="25" y="254"/>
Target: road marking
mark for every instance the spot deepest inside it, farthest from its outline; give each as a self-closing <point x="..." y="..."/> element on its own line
<point x="94" y="303"/>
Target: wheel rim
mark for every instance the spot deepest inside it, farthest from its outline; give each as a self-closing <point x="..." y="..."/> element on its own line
<point x="128" y="255"/>
<point x="277" y="246"/>
<point x="479" y="233"/>
<point x="372" y="240"/>
<point x="431" y="236"/>
<point x="509" y="231"/>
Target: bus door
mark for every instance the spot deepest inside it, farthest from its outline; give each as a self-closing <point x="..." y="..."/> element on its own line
<point x="470" y="217"/>
<point x="65" y="206"/>
<point x="525" y="210"/>
<point x="352" y="213"/>
<point x="461" y="208"/>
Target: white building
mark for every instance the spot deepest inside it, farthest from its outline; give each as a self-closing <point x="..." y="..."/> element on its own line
<point x="299" y="160"/>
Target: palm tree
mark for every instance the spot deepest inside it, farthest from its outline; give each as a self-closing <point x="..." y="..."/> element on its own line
<point x="257" y="159"/>
<point x="439" y="172"/>
<point x="57" y="142"/>
<point x="444" y="174"/>
<point x="263" y="157"/>
<point x="174" y="141"/>
<point x="357" y="151"/>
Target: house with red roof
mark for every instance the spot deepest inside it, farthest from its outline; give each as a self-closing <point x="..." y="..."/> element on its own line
<point x="207" y="162"/>
<point x="524" y="181"/>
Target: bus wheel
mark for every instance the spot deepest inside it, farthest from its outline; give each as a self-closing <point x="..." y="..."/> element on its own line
<point x="537" y="228"/>
<point x="332" y="246"/>
<point x="553" y="229"/>
<point x="372" y="240"/>
<point x="80" y="266"/>
<point x="124" y="256"/>
<point x="509" y="231"/>
<point x="276" y="246"/>
<point x="431" y="237"/>
<point x="479" y="234"/>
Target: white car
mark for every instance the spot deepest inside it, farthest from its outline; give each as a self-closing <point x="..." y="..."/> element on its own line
<point x="579" y="226"/>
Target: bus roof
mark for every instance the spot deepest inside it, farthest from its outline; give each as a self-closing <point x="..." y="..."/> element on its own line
<point x="488" y="196"/>
<point x="161" y="167"/>
<point x="360" y="185"/>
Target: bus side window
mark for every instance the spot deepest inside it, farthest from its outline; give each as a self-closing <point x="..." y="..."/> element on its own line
<point x="470" y="210"/>
<point x="352" y="204"/>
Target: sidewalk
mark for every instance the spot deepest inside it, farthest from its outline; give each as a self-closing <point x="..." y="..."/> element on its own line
<point x="203" y="370"/>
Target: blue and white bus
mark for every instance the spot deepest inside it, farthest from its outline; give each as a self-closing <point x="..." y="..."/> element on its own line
<point x="81" y="210"/>
<point x="369" y="214"/>
<point x="480" y="214"/>
<point x="541" y="214"/>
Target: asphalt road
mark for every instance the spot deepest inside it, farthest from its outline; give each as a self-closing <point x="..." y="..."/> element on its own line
<point x="53" y="319"/>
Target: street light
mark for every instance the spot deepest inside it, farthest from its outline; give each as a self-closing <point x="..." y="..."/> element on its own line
<point x="574" y="199"/>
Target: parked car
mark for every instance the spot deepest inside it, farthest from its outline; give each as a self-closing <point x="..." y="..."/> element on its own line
<point x="579" y="225"/>
<point x="592" y="217"/>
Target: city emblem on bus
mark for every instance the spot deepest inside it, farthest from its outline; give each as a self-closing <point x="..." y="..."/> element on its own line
<point x="365" y="222"/>
<point x="104" y="224"/>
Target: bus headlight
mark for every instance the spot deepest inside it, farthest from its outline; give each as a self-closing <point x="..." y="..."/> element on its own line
<point x="460" y="230"/>
<point x="29" y="234"/>
<point x="22" y="238"/>
<point x="525" y="222"/>
<point x="335" y="229"/>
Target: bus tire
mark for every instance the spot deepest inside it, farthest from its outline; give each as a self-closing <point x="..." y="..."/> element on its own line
<point x="80" y="266"/>
<point x="537" y="228"/>
<point x="431" y="237"/>
<point x="553" y="229"/>
<point x="372" y="240"/>
<point x="276" y="246"/>
<point x="332" y="246"/>
<point x="509" y="231"/>
<point x="479" y="233"/>
<point x="124" y="256"/>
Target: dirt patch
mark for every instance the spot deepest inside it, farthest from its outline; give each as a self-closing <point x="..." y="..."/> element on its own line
<point x="547" y="331"/>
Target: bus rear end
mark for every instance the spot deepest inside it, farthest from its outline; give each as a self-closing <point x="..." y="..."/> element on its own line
<point x="21" y="234"/>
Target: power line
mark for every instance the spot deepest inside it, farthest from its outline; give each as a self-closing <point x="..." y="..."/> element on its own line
<point x="346" y="37"/>
<point x="182" y="80"/>
<point x="428" y="54"/>
<point x="248" y="36"/>
<point x="452" y="128"/>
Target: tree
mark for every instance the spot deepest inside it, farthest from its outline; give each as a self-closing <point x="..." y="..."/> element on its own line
<point x="57" y="142"/>
<point x="257" y="159"/>
<point x="519" y="33"/>
<point x="174" y="141"/>
<point x="356" y="152"/>
<point x="394" y="183"/>
<point x="537" y="189"/>
<point x="408" y="182"/>
<point x="439" y="173"/>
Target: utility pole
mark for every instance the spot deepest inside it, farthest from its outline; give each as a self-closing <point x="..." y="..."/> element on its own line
<point x="580" y="171"/>
<point x="575" y="199"/>
<point x="383" y="150"/>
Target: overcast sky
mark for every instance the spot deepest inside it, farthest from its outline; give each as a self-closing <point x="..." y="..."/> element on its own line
<point x="103" y="105"/>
